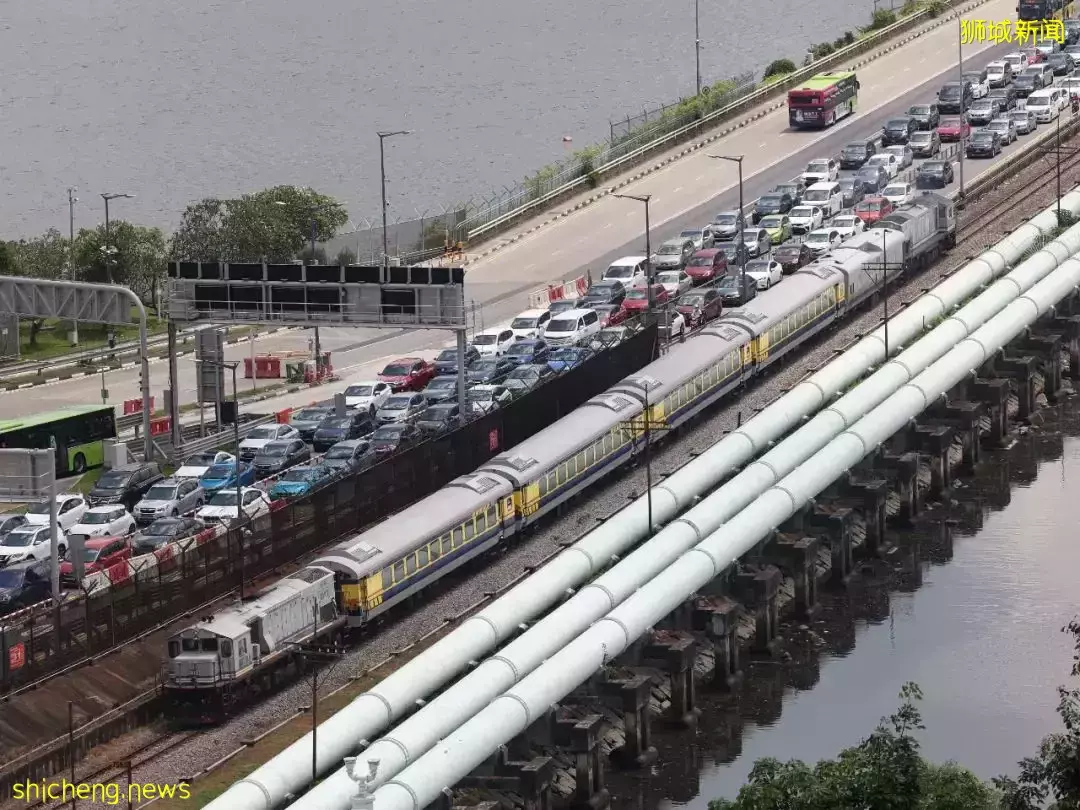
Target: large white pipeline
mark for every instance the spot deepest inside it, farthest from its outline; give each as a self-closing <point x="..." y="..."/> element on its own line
<point x="510" y="714"/>
<point x="289" y="772"/>
<point x="418" y="733"/>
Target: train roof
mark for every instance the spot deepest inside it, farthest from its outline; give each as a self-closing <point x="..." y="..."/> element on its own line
<point x="681" y="363"/>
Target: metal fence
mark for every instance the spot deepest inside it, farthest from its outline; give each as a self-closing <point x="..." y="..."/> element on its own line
<point x="43" y="640"/>
<point x="408" y="240"/>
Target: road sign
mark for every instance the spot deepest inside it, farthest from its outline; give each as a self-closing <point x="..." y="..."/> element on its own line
<point x="210" y="345"/>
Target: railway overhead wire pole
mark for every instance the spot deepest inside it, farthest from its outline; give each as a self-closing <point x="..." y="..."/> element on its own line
<point x="740" y="223"/>
<point x="645" y="198"/>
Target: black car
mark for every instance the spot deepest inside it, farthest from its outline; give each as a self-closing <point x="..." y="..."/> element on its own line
<point x="342" y="428"/>
<point x="352" y="455"/>
<point x="735" y="252"/>
<point x="898" y="130"/>
<point x="774" y="203"/>
<point x="489" y="370"/>
<point x="954" y="97"/>
<point x="164" y="531"/>
<point x="934" y="174"/>
<point x="9" y="522"/>
<point x="792" y="257"/>
<point x="984" y="143"/>
<point x="523" y="352"/>
<point x="439" y="419"/>
<point x="604" y="292"/>
<point x="278" y="456"/>
<point x="447" y="361"/>
<point x="732" y="291"/>
<point x="1061" y="63"/>
<point x="1006" y="96"/>
<point x="853" y="190"/>
<point x="307" y="420"/>
<point x="1024" y="85"/>
<point x="441" y="389"/>
<point x="390" y="439"/>
<point x="856" y="153"/>
<point x="925" y="144"/>
<point x="795" y="190"/>
<point x="873" y="178"/>
<point x="125" y="484"/>
<point x="926" y="116"/>
<point x="525" y="378"/>
<point x="24" y="584"/>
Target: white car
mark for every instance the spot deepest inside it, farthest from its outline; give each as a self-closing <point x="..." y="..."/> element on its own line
<point x="194" y="466"/>
<point x="30" y="542"/>
<point x="111" y="520"/>
<point x="1070" y="84"/>
<point x="979" y="89"/>
<point x="899" y="193"/>
<point x="630" y="271"/>
<point x="672" y="325"/>
<point x="848" y="225"/>
<point x="262" y="436"/>
<point x="487" y="398"/>
<point x="765" y="272"/>
<point x="493" y="342"/>
<point x="823" y="240"/>
<point x="222" y="507"/>
<point x="820" y="170"/>
<point x="676" y="282"/>
<point x="1018" y="60"/>
<point x="530" y="323"/>
<point x="903" y="154"/>
<point x="805" y="218"/>
<point x="886" y="160"/>
<point x="69" y="509"/>
<point x="368" y="395"/>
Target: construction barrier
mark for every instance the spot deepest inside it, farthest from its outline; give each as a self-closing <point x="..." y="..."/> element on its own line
<point x="283" y="416"/>
<point x="160" y="427"/>
<point x="135" y="405"/>
<point x="575" y="288"/>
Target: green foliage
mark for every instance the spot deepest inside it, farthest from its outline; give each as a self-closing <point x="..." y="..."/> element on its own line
<point x="44" y="256"/>
<point x="882" y="18"/>
<point x="7" y="260"/>
<point x="935" y="8"/>
<point x="821" y="50"/>
<point x="779" y="67"/>
<point x="910" y="7"/>
<point x="345" y="256"/>
<point x="308" y="256"/>
<point x="136" y="257"/>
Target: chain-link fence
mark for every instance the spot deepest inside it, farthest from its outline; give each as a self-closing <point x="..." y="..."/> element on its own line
<point x="408" y="240"/>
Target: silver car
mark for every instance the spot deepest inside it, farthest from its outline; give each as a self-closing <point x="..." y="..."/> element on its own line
<point x="673" y="254"/>
<point x="702" y="237"/>
<point x="401" y="408"/>
<point x="169" y="498"/>
<point x="1005" y="127"/>
<point x="1024" y="121"/>
<point x="757" y="241"/>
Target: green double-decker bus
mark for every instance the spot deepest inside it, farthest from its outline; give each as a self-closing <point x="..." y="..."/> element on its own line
<point x="79" y="433"/>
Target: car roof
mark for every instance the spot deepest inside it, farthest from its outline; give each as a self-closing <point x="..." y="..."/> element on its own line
<point x="496" y="331"/>
<point x="572" y="313"/>
<point x="710" y="252"/>
<point x="105" y="508"/>
<point x="99" y="542"/>
<point x="405" y="360"/>
<point x="529" y="313"/>
<point x="628" y="260"/>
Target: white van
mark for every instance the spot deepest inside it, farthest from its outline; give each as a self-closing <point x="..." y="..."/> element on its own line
<point x="566" y="328"/>
<point x="1047" y="104"/>
<point x="827" y="196"/>
<point x="630" y="271"/>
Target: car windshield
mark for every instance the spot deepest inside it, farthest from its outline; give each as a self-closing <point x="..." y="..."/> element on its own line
<point x="388" y="433"/>
<point x="443" y="382"/>
<point x="219" y="471"/>
<point x="522" y="347"/>
<point x="880" y="160"/>
<point x="479" y="395"/>
<point x="695" y="234"/>
<point x="1035" y="101"/>
<point x="336" y="423"/>
<point x="485" y="340"/>
<point x="565" y="354"/>
<point x="517" y="323"/>
<point x="397" y="403"/>
<point x="757" y="267"/>
<point x="893" y="191"/>
<point x="950" y="123"/>
<point x="438" y="413"/>
<point x="817" y="166"/>
<point x="696" y="300"/>
<point x="482" y="367"/>
<point x="633" y="295"/>
<point x="39" y="509"/>
<point x="224" y="498"/>
<point x="817" y="237"/>
<point x="562" y="325"/>
<point x="98" y="518"/>
<point x="1021" y="115"/>
<point x="339" y="452"/>
<point x="817" y="195"/>
<point x="163" y="528"/>
<point x="90" y="554"/>
<point x="786" y="252"/>
<point x="844" y="222"/>
<point x="19" y="538"/>
<point x="619" y="271"/>
<point x="275" y="449"/>
<point x="846" y="183"/>
<point x="114" y="480"/>
<point x="161" y="493"/>
<point x="701" y="261"/>
<point x="853" y="149"/>
<point x="667" y="278"/>
<point x="803" y="212"/>
<point x="298" y="475"/>
<point x="396" y="370"/>
<point x="669" y="250"/>
<point x="982" y="137"/>
<point x="772" y="222"/>
<point x="200" y="459"/>
<point x="872" y="205"/>
<point x="725" y="219"/>
<point x="921" y="137"/>
<point x="933" y="167"/>
<point x="769" y="201"/>
<point x="982" y="104"/>
<point x="366" y="390"/>
<point x="920" y="109"/>
<point x="268" y="432"/>
<point x="897" y="123"/>
<point x="311" y="414"/>
<point x="729" y="283"/>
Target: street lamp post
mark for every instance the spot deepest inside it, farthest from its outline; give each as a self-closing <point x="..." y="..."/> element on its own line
<point x="72" y="199"/>
<point x="382" y="180"/>
<point x="644" y="198"/>
<point x="740" y="223"/>
<point x="697" y="44"/>
<point x="108" y="239"/>
<point x="963" y="115"/>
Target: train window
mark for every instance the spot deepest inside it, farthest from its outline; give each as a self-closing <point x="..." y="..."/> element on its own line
<point x="470" y="530"/>
<point x="410" y="564"/>
<point x="174" y="649"/>
<point x="435" y="551"/>
<point x="459" y="537"/>
<point x="581" y="461"/>
<point x="209" y="645"/>
<point x="493" y="514"/>
<point x="447" y="545"/>
<point x="399" y="571"/>
<point x="226" y="649"/>
<point x="481" y="522"/>
<point x="387" y="577"/>
<point x="190" y="644"/>
<point x="590" y="455"/>
<point x="422" y="556"/>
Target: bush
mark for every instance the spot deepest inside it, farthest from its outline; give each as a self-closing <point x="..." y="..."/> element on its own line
<point x="822" y="50"/>
<point x="910" y="7"/>
<point x="779" y="67"/>
<point x="935" y="8"/>
<point x="883" y="18"/>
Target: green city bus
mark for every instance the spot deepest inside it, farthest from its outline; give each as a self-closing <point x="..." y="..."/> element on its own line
<point x="78" y="431"/>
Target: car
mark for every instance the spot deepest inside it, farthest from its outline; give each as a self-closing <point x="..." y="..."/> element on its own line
<point x="1044" y="75"/>
<point x="823" y="240"/>
<point x="349" y="456"/>
<point x="898" y="130"/>
<point x="630" y="271"/>
<point x="223" y="476"/>
<point x="369" y="396"/>
<point x="873" y="178"/>
<point x="24" y="584"/>
<point x="394" y="438"/>
<point x="1025" y="84"/>
<point x="764" y="272"/>
<point x="979" y="82"/>
<point x="805" y="218"/>
<point x="887" y="161"/>
<point x="778" y="226"/>
<point x="925" y="143"/>
<point x="195" y="465"/>
<point x="899" y="193"/>
<point x="955" y="97"/>
<point x="9" y="522"/>
<point x="568" y="357"/>
<point x="1006" y="97"/>
<point x="98" y="553"/>
<point x="904" y="154"/>
<point x="603" y="292"/>
<point x="261" y="436"/>
<point x="676" y="282"/>
<point x="771" y="204"/>
<point x="934" y="174"/>
<point x="733" y="292"/>
<point x="1071" y="84"/>
<point x="353" y="425"/>
<point x="1047" y="46"/>
<point x="1061" y="63"/>
<point x="306" y="421"/>
<point x="528" y="377"/>
<point x="299" y="481"/>
<point x="224" y="509"/>
<point x="701" y="306"/>
<point x="925" y="116"/>
<point x="847" y="225"/>
<point x="983" y="111"/>
<point x="637" y="300"/>
<point x="1034" y="56"/>
<point x="440" y="419"/>
<point x="402" y="408"/>
<point x="1024" y="121"/>
<point x="483" y="399"/>
<point x="109" y="520"/>
<point x="523" y="351"/>
<point x="706" y="265"/>
<point x="727" y="225"/>
<point x="489" y="370"/>
<point x="856" y="153"/>
<point x="557" y="308"/>
<point x="1017" y="61"/>
<point x="998" y="74"/>
<point x="734" y="252"/>
<point x="164" y="531"/>
<point x="672" y="325"/>
<point x="30" y="542"/>
<point x="984" y="143"/>
<point x="794" y="189"/>
<point x="1005" y="128"/>
<point x="603" y="340"/>
<point x="493" y="342"/>
<point x="531" y="322"/>
<point x="852" y="189"/>
<point x="820" y="170"/>
<point x="69" y="510"/>
<point x="872" y="209"/>
<point x="125" y="484"/>
<point x="410" y="373"/>
<point x="701" y="237"/>
<point x="277" y="457"/>
<point x="609" y="314"/>
<point x="792" y="256"/>
<point x="953" y="129"/>
<point x="169" y="498"/>
<point x="441" y="389"/>
<point x="446" y="362"/>
<point x="673" y="254"/>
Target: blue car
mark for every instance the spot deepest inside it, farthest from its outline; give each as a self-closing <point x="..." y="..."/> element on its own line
<point x="298" y="481"/>
<point x="223" y="476"/>
<point x="568" y="357"/>
<point x="526" y="352"/>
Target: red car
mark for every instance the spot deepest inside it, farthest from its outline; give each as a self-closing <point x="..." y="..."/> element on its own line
<point x="610" y="314"/>
<point x="700" y="306"/>
<point x="1034" y="55"/>
<point x="98" y="553"/>
<point x="707" y="265"/>
<point x="637" y="299"/>
<point x="871" y="209"/>
<point x="953" y="129"/>
<point x="408" y="374"/>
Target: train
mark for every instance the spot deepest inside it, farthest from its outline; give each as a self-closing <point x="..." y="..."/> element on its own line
<point x="382" y="568"/>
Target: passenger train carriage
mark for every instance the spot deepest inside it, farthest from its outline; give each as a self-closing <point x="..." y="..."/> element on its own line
<point x="385" y="565"/>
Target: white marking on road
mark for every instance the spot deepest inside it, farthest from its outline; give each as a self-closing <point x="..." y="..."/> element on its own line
<point x="676" y="190"/>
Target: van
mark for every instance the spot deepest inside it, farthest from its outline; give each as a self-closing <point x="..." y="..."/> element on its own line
<point x="567" y="328"/>
<point x="1043" y="73"/>
<point x="999" y="74"/>
<point x="1047" y="104"/>
<point x="856" y="153"/>
<point x="630" y="271"/>
<point x="954" y="94"/>
<point x="829" y="197"/>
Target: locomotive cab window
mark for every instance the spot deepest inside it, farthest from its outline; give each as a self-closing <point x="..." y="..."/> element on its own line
<point x="209" y="645"/>
<point x="190" y="644"/>
<point x="174" y="649"/>
<point x="226" y="648"/>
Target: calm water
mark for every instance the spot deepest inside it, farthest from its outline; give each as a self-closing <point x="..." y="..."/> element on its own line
<point x="177" y="101"/>
<point x="980" y="634"/>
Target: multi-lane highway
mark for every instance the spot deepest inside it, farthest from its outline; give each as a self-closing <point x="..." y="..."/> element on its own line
<point x="687" y="193"/>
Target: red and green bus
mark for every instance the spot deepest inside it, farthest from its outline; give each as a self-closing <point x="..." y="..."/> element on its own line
<point x="822" y="100"/>
<point x="78" y="433"/>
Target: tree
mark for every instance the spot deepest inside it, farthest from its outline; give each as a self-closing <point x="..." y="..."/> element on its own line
<point x="7" y="260"/>
<point x="43" y="257"/>
<point x="138" y="260"/>
<point x="274" y="225"/>
<point x="345" y="257"/>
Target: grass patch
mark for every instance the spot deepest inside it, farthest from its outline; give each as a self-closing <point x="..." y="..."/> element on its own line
<point x="52" y="338"/>
<point x="87" y="482"/>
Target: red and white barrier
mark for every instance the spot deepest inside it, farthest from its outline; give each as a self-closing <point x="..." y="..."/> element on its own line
<point x="575" y="288"/>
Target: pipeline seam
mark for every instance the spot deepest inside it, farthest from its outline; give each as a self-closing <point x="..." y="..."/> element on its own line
<point x="627" y="638"/>
<point x="397" y="744"/>
<point x="407" y="789"/>
<point x="767" y="465"/>
<point x="794" y="501"/>
<point x="599" y="587"/>
<point x="262" y="789"/>
<point x="693" y="527"/>
<point x="524" y="707"/>
<point x="485" y="620"/>
<point x="384" y="702"/>
<point x="852" y="433"/>
<point x="583" y="552"/>
<point x="896" y="361"/>
<point x="716" y="567"/>
<point x="745" y="435"/>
